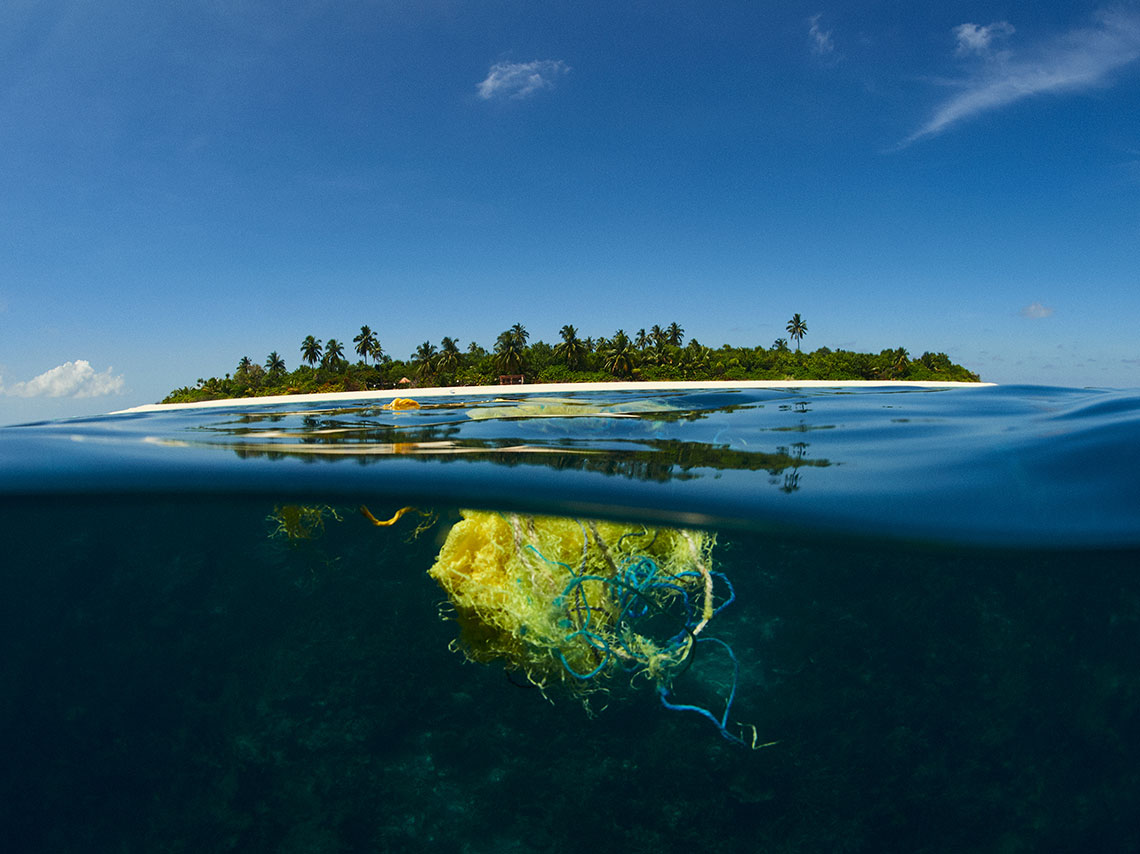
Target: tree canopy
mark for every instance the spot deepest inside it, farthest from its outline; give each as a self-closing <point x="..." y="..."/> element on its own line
<point x="656" y="354"/>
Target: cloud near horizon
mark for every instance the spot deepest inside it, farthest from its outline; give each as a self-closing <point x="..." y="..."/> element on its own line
<point x="71" y="379"/>
<point x="518" y="80"/>
<point x="1076" y="61"/>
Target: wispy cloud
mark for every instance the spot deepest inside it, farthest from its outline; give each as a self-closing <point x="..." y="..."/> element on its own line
<point x="1075" y="61"/>
<point x="975" y="39"/>
<point x="1036" y="311"/>
<point x="819" y="38"/>
<point x="71" y="379"/>
<point x="518" y="80"/>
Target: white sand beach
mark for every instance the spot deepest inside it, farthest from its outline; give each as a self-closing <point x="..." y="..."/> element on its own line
<point x="537" y="388"/>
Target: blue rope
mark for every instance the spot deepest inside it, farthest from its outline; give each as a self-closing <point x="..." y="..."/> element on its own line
<point x="565" y="566"/>
<point x="720" y="723"/>
<point x="590" y="638"/>
<point x="731" y="592"/>
<point x="635" y="589"/>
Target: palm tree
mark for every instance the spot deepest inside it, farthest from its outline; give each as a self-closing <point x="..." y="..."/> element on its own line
<point x="675" y="334"/>
<point x="244" y="364"/>
<point x="448" y="359"/>
<point x="937" y="362"/>
<point x="424" y="357"/>
<point x="900" y="361"/>
<point x="695" y="359"/>
<point x="311" y="350"/>
<point x="660" y="340"/>
<point x="364" y="342"/>
<point x="797" y="329"/>
<point x="642" y="340"/>
<point x="376" y="352"/>
<point x="780" y="345"/>
<point x="334" y="354"/>
<point x="275" y="364"/>
<point x="572" y="350"/>
<point x="509" y="352"/>
<point x="620" y="355"/>
<point x="520" y="334"/>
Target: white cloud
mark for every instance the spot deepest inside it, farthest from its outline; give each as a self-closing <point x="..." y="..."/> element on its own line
<point x="1076" y="61"/>
<point x="521" y="79"/>
<point x="821" y="43"/>
<point x="71" y="379"/>
<point x="974" y="39"/>
<point x="1036" y="311"/>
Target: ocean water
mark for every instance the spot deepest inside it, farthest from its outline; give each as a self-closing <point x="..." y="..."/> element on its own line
<point x="935" y="620"/>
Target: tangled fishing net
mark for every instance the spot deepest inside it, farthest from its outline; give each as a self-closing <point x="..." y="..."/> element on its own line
<point x="575" y="603"/>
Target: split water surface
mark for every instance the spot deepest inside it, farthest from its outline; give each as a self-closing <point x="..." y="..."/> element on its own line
<point x="934" y="625"/>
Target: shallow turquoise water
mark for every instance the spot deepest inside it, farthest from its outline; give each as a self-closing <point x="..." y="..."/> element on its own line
<point x="937" y="619"/>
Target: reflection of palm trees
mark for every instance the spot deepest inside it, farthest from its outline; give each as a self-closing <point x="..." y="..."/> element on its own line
<point x="366" y="434"/>
<point x="796" y="459"/>
<point x="340" y="438"/>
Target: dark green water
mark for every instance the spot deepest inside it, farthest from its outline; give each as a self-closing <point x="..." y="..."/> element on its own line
<point x="178" y="679"/>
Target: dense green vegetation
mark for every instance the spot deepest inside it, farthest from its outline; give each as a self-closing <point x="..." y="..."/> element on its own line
<point x="659" y="354"/>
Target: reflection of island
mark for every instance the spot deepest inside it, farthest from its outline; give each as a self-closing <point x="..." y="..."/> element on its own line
<point x="659" y="460"/>
<point x="451" y="433"/>
<point x="792" y="478"/>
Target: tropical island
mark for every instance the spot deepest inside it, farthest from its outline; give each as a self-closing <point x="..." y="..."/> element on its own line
<point x="659" y="354"/>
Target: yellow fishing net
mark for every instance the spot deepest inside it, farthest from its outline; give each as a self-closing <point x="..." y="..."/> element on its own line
<point x="571" y="601"/>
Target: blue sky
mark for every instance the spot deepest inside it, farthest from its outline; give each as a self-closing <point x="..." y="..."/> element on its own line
<point x="183" y="184"/>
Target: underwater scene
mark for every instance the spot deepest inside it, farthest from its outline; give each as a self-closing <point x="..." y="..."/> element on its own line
<point x="884" y="618"/>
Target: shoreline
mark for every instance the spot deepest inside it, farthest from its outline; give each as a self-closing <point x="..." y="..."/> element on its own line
<point x="540" y="388"/>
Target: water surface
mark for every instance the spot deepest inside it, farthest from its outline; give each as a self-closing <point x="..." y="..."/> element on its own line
<point x="937" y="620"/>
